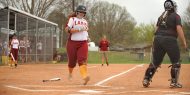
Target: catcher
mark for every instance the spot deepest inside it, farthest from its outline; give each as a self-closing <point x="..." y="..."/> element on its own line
<point x="165" y="41"/>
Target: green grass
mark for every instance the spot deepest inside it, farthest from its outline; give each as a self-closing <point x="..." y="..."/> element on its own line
<point x="127" y="57"/>
<point x="116" y="57"/>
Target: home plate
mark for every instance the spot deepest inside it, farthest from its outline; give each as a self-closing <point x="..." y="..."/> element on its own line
<point x="90" y="91"/>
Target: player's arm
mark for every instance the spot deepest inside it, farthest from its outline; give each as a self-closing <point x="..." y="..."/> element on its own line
<point x="99" y="46"/>
<point x="181" y="36"/>
<point x="69" y="26"/>
<point x="108" y="46"/>
<point x="71" y="30"/>
<point x="180" y="31"/>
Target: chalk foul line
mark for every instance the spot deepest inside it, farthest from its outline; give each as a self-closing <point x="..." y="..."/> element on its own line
<point x="30" y="90"/>
<point x="114" y="76"/>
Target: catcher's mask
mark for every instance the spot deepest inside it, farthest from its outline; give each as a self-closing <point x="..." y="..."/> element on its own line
<point x="170" y="5"/>
<point x="81" y="9"/>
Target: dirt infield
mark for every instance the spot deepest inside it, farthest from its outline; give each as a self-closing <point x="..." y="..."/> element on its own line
<point x="116" y="79"/>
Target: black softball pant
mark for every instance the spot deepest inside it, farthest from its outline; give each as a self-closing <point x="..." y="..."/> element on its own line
<point x="163" y="45"/>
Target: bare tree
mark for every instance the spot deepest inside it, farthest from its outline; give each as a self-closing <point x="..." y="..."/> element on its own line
<point x="111" y="20"/>
<point x="60" y="16"/>
<point x="40" y="8"/>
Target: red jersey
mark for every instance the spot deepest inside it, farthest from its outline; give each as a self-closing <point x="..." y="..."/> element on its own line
<point x="103" y="45"/>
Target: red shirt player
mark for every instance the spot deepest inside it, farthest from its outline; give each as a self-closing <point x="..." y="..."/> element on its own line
<point x="104" y="47"/>
<point x="77" y="46"/>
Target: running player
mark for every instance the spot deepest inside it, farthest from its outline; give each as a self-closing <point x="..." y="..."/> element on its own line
<point x="14" y="50"/>
<point x="77" y="47"/>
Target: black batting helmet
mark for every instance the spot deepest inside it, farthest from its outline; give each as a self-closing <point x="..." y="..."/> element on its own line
<point x="170" y="5"/>
<point x="81" y="8"/>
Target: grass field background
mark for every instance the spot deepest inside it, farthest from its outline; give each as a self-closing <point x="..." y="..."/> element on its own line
<point x="124" y="57"/>
<point x="127" y="57"/>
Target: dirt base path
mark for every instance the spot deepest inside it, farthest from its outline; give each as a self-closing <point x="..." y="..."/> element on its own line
<point x="116" y="79"/>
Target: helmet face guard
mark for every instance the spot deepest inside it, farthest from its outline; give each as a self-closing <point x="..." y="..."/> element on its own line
<point x="170" y="5"/>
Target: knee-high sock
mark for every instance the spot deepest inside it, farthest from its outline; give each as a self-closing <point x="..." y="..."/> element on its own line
<point x="83" y="71"/>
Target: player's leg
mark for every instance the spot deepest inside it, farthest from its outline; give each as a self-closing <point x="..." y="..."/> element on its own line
<point x="158" y="55"/>
<point x="82" y="55"/>
<point x="10" y="61"/>
<point x="15" y="55"/>
<point x="72" y="58"/>
<point x="102" y="57"/>
<point x="106" y="58"/>
<point x="174" y="55"/>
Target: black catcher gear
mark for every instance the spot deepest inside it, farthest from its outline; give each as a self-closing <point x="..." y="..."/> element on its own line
<point x="175" y="70"/>
<point x="149" y="74"/>
<point x="170" y="5"/>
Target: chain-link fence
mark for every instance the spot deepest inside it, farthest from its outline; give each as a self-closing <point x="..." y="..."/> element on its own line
<point x="37" y="36"/>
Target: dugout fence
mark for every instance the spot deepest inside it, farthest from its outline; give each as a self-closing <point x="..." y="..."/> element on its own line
<point x="37" y="36"/>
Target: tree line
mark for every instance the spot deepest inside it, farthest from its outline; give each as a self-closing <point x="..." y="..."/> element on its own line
<point x="104" y="18"/>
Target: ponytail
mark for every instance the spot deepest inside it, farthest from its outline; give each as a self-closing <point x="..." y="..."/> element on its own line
<point x="73" y="14"/>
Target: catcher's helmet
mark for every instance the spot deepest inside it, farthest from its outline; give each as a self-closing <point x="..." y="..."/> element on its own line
<point x="170" y="5"/>
<point x="81" y="8"/>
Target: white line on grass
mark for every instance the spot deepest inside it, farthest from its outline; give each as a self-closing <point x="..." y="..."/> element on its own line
<point x="105" y="80"/>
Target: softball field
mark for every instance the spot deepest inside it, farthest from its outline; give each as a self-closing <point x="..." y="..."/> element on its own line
<point x="116" y="79"/>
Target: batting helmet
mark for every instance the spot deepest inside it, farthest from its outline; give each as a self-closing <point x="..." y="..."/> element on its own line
<point x="81" y="8"/>
<point x="170" y="5"/>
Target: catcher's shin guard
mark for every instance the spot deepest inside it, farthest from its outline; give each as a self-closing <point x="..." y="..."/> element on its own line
<point x="175" y="70"/>
<point x="149" y="74"/>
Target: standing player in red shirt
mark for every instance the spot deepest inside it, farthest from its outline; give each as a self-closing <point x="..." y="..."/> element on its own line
<point x="103" y="48"/>
<point x="77" y="47"/>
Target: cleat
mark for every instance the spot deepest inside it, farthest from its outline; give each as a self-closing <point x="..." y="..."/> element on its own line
<point x="86" y="80"/>
<point x="11" y="66"/>
<point x="15" y="65"/>
<point x="146" y="83"/>
<point x="175" y="85"/>
<point x="107" y="63"/>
